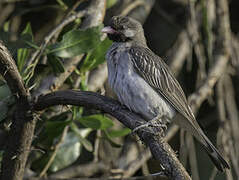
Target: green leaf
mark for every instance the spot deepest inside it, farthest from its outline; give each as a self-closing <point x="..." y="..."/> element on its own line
<point x="96" y="56"/>
<point x="28" y="30"/>
<point x="6" y="26"/>
<point x="76" y="42"/>
<point x="4" y="106"/>
<point x="81" y="134"/>
<point x="55" y="128"/>
<point x="97" y="121"/>
<point x="83" y="83"/>
<point x="13" y="46"/>
<point x="52" y="130"/>
<point x="112" y="142"/>
<point x="76" y="112"/>
<point x="4" y="91"/>
<point x="68" y="152"/>
<point x="110" y="3"/>
<point x="119" y="133"/>
<point x="56" y="64"/>
<point x="3" y="110"/>
<point x="62" y="4"/>
<point x="23" y="53"/>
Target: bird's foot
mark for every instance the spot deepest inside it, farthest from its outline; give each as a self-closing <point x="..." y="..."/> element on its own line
<point x="157" y="122"/>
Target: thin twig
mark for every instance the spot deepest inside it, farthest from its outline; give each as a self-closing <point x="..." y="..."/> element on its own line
<point x="95" y="15"/>
<point x="56" y="148"/>
<point x="36" y="55"/>
<point x="192" y="156"/>
<point x="84" y="170"/>
<point x="132" y="6"/>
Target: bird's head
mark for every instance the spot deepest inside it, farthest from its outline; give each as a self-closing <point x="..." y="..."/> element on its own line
<point x="124" y="29"/>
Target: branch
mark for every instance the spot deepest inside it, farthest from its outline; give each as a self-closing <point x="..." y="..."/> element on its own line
<point x="158" y="147"/>
<point x="221" y="57"/>
<point x="9" y="71"/>
<point x="36" y="55"/>
<point x="56" y="148"/>
<point x="23" y="123"/>
<point x="84" y="170"/>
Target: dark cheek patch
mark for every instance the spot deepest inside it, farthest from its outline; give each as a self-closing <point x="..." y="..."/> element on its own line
<point x="117" y="37"/>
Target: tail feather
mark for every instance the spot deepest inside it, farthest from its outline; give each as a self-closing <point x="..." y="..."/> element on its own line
<point x="214" y="155"/>
<point x="193" y="127"/>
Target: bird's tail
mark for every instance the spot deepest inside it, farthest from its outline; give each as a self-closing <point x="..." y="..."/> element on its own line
<point x="214" y="155"/>
<point x="193" y="127"/>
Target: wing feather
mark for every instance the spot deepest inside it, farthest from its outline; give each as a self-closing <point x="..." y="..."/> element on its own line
<point x="156" y="72"/>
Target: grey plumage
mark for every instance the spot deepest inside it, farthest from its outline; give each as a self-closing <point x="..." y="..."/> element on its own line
<point x="144" y="83"/>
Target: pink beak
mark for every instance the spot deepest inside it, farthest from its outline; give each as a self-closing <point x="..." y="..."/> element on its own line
<point x="108" y="30"/>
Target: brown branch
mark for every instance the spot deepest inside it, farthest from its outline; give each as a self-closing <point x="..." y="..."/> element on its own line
<point x="84" y="170"/>
<point x="224" y="133"/>
<point x="179" y="52"/>
<point x="23" y="124"/>
<point x="9" y="71"/>
<point x="159" y="148"/>
<point x="221" y="57"/>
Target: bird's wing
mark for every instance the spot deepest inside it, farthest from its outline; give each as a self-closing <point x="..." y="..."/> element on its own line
<point x="158" y="75"/>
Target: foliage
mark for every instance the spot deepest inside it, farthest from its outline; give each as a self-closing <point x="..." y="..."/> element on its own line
<point x="72" y="42"/>
<point x="80" y="135"/>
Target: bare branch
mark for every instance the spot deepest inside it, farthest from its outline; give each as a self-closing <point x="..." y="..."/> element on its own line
<point x="84" y="170"/>
<point x="20" y="136"/>
<point x="9" y="71"/>
<point x="159" y="148"/>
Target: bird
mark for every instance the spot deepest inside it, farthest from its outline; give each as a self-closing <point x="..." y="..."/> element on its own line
<point x="144" y="83"/>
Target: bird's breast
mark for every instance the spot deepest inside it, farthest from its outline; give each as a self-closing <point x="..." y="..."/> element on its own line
<point x="131" y="89"/>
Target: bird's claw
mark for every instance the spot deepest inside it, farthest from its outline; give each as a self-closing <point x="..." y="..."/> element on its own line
<point x="156" y="122"/>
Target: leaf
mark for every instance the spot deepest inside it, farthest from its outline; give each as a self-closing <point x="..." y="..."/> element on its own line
<point x="119" y="133"/>
<point x="28" y="30"/>
<point x="83" y="83"/>
<point x="23" y="53"/>
<point x="76" y="42"/>
<point x="97" y="121"/>
<point x="81" y="134"/>
<point x="3" y="110"/>
<point x="112" y="142"/>
<point x="76" y="112"/>
<point x="96" y="56"/>
<point x="6" y="26"/>
<point x="56" y="64"/>
<point x="110" y="3"/>
<point x="52" y="130"/>
<point x="4" y="91"/>
<point x="55" y="128"/>
<point x="4" y="106"/>
<point x="13" y="46"/>
<point x="68" y="152"/>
